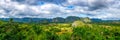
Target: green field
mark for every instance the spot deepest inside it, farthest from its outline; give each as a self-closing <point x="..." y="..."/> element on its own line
<point x="59" y="31"/>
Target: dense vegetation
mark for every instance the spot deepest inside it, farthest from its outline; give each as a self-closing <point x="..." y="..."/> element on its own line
<point x="78" y="30"/>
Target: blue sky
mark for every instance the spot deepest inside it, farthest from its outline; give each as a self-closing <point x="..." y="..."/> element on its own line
<point x="102" y="9"/>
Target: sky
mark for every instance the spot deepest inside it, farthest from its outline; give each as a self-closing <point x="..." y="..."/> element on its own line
<point x="102" y="9"/>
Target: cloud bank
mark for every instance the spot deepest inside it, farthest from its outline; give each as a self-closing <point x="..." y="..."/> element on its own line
<point x="103" y="9"/>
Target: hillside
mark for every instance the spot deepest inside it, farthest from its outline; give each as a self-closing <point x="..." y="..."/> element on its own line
<point x="78" y="30"/>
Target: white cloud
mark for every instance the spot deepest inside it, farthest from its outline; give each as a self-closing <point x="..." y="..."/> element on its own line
<point x="103" y="9"/>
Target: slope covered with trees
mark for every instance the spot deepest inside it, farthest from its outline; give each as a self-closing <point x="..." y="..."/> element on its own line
<point x="78" y="30"/>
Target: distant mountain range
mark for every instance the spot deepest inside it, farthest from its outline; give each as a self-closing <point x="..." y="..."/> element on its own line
<point x="57" y="19"/>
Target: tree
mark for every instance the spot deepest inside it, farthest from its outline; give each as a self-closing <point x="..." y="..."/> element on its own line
<point x="1" y="21"/>
<point x="10" y="20"/>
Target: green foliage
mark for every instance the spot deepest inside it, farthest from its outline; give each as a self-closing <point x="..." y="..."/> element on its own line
<point x="86" y="33"/>
<point x="61" y="31"/>
<point x="11" y="20"/>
